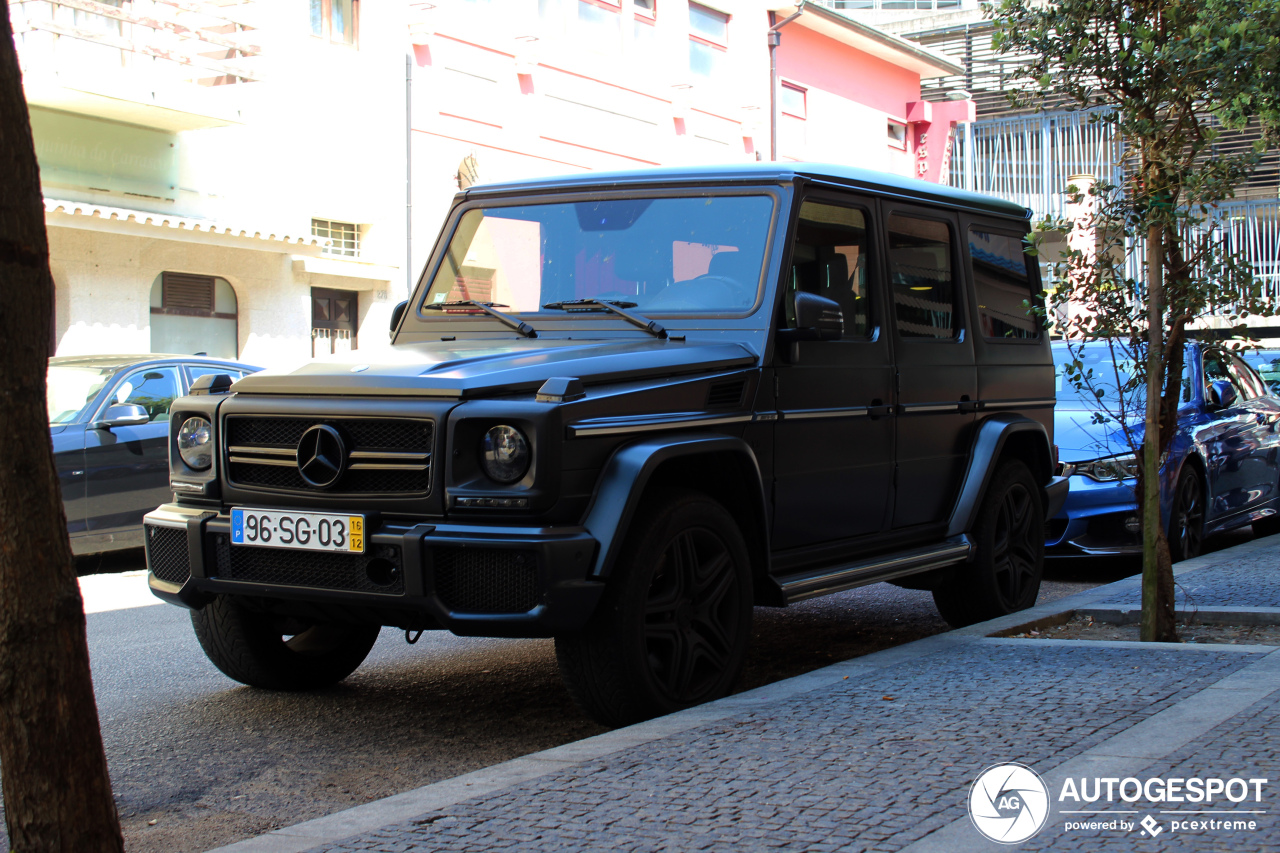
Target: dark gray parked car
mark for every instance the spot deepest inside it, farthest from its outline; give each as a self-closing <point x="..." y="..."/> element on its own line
<point x="626" y="408"/>
<point x="109" y="421"/>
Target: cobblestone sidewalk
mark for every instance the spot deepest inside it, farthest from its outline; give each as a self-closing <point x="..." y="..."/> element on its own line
<point x="879" y="753"/>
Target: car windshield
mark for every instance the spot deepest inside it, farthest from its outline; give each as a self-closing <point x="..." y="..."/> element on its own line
<point x="1106" y="372"/>
<point x="71" y="389"/>
<point x="655" y="255"/>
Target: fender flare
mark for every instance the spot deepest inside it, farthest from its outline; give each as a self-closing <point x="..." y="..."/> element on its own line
<point x="628" y="471"/>
<point x="993" y="434"/>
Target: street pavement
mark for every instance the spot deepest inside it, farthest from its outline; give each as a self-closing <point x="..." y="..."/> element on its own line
<point x="881" y="753"/>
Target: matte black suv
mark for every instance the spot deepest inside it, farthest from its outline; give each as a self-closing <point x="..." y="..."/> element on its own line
<point x="625" y="409"/>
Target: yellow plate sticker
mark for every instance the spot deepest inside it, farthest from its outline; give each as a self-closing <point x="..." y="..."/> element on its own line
<point x="355" y="533"/>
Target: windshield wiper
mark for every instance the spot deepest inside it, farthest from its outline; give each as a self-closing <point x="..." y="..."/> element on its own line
<point x="618" y="307"/>
<point x="487" y="307"/>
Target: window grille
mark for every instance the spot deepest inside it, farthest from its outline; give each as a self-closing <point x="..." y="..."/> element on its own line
<point x="343" y="237"/>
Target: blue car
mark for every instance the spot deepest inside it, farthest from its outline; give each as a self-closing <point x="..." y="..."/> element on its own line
<point x="1222" y="469"/>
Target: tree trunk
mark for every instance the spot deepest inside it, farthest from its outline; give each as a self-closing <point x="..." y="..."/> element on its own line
<point x="1158" y="622"/>
<point x="57" y="795"/>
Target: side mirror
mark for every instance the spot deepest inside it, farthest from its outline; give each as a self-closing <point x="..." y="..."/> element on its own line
<point x="1222" y="394"/>
<point x="118" y="416"/>
<point x="211" y="383"/>
<point x="817" y="319"/>
<point x="396" y="314"/>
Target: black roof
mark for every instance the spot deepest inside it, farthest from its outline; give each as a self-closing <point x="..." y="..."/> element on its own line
<point x="761" y="173"/>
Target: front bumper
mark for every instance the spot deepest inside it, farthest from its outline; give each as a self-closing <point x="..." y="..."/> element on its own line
<point x="470" y="579"/>
<point x="1097" y="519"/>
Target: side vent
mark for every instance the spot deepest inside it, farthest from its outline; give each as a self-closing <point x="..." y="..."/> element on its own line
<point x="726" y="394"/>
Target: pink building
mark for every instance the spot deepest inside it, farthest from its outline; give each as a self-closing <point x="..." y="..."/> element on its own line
<point x="503" y="89"/>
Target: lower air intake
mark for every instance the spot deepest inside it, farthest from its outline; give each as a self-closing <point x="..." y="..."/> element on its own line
<point x="486" y="580"/>
<point x="167" y="555"/>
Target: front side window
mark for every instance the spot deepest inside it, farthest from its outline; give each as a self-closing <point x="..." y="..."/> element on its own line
<point x="1002" y="281"/>
<point x="694" y="254"/>
<point x="920" y="275"/>
<point x="830" y="258"/>
<point x="154" y="389"/>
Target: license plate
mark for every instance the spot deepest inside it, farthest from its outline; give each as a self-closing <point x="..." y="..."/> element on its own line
<point x="299" y="531"/>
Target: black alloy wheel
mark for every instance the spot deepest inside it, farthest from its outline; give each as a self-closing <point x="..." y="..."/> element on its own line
<point x="1008" y="562"/>
<point x="693" y="615"/>
<point x="673" y="627"/>
<point x="1186" y="517"/>
<point x="1018" y="545"/>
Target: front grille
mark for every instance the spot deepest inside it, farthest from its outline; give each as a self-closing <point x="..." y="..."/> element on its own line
<point x="385" y="455"/>
<point x="486" y="580"/>
<point x="167" y="554"/>
<point x="380" y="569"/>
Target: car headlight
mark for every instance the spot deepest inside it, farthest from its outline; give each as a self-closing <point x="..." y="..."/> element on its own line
<point x="1105" y="470"/>
<point x="195" y="443"/>
<point x="504" y="454"/>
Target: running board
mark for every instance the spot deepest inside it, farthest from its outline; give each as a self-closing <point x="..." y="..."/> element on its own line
<point x="825" y="581"/>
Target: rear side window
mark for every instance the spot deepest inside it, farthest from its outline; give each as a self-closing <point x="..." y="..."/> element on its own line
<point x="1002" y="282"/>
<point x="921" y="275"/>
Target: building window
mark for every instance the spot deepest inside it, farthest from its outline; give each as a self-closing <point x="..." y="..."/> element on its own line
<point x="708" y="39"/>
<point x="646" y="7"/>
<point x="794" y="101"/>
<point x="599" y="24"/>
<point x="343" y="238"/>
<point x="335" y="20"/>
<point x="897" y="134"/>
<point x="194" y="314"/>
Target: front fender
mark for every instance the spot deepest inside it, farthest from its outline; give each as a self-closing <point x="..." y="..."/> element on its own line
<point x="624" y="478"/>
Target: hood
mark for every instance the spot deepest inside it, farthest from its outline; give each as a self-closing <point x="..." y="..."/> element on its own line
<point x="1079" y="439"/>
<point x="462" y="369"/>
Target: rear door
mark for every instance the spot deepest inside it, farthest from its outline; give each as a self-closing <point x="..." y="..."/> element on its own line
<point x="833" y="453"/>
<point x="937" y="380"/>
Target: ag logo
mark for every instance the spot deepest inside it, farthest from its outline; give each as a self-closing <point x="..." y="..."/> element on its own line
<point x="1008" y="803"/>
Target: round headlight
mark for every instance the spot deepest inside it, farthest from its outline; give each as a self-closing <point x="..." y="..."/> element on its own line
<point x="504" y="454"/>
<point x="195" y="443"/>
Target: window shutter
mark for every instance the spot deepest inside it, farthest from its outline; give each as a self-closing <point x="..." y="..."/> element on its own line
<point x="186" y="292"/>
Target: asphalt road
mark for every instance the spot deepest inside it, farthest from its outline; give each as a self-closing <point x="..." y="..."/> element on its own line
<point x="198" y="761"/>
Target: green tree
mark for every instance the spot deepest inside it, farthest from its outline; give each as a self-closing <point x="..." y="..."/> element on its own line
<point x="1174" y="74"/>
<point x="57" y="795"/>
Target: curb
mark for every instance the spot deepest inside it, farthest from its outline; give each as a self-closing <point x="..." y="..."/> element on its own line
<point x="398" y="808"/>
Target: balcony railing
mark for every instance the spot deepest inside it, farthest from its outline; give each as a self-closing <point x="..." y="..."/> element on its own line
<point x="77" y="55"/>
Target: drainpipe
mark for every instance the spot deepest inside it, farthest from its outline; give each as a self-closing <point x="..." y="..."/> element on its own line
<point x="775" y="39"/>
<point x="408" y="174"/>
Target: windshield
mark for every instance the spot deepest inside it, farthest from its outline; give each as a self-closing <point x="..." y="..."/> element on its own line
<point x="1107" y="369"/>
<point x="656" y="255"/>
<point x="70" y="389"/>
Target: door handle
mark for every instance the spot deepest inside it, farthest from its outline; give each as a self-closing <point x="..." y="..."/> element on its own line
<point x="877" y="409"/>
<point x="967" y="406"/>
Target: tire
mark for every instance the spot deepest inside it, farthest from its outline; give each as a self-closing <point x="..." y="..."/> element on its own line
<point x="673" y="627"/>
<point x="1004" y="575"/>
<point x="278" y="652"/>
<point x="1186" y="517"/>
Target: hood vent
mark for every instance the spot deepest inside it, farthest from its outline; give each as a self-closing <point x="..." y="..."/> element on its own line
<point x="726" y="394"/>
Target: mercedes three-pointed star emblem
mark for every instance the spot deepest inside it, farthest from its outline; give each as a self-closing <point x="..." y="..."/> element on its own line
<point x="321" y="456"/>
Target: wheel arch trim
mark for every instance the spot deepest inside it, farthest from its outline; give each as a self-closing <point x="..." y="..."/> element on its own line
<point x="994" y="434"/>
<point x="631" y="468"/>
